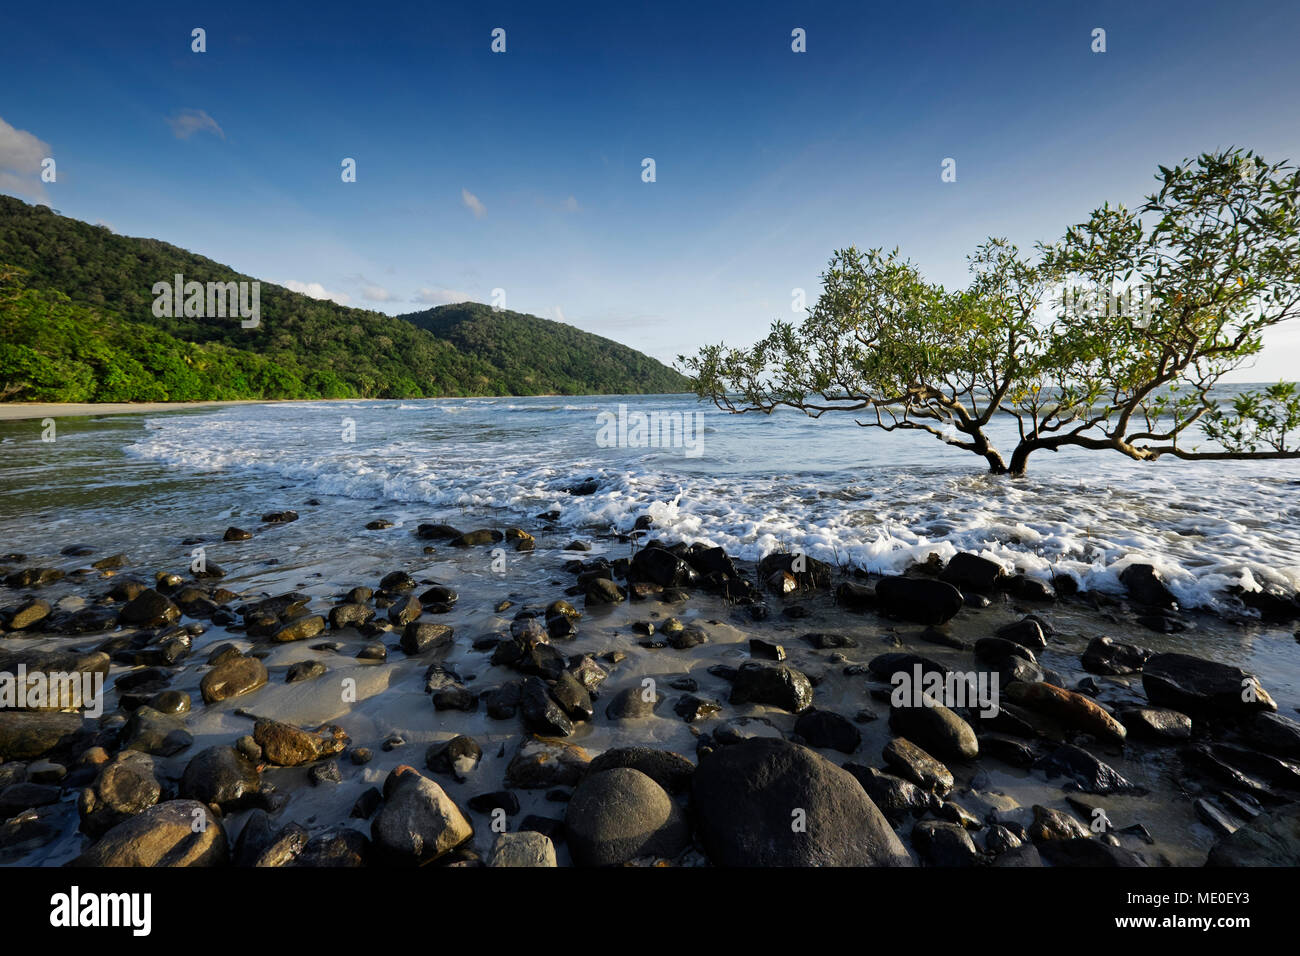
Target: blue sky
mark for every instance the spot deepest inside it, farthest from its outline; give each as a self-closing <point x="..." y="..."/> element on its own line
<point x="522" y="170"/>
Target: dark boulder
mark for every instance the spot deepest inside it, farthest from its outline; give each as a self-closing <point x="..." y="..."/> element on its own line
<point x="150" y="609"/>
<point x="128" y="784"/>
<point x="967" y="570"/>
<point x="1084" y="772"/>
<point x="826" y="729"/>
<point x="1105" y="656"/>
<point x="1271" y="839"/>
<point x="923" y="600"/>
<point x="769" y="802"/>
<point x="671" y="771"/>
<point x="808" y="573"/>
<point x="1145" y="586"/>
<point x="175" y="833"/>
<point x="620" y="815"/>
<point x="221" y="776"/>
<point x="1085" y="851"/>
<point x="661" y="566"/>
<point x="898" y="799"/>
<point x="942" y="843"/>
<point x="936" y="729"/>
<point x="777" y="685"/>
<point x="1195" y="685"/>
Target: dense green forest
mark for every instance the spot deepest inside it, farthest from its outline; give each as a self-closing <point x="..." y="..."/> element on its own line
<point x="576" y="362"/>
<point x="77" y="325"/>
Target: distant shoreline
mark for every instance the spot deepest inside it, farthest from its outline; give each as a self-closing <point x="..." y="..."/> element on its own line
<point x="25" y="411"/>
<point x="21" y="411"/>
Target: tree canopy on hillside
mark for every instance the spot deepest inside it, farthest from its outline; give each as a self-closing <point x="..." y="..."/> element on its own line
<point x="320" y="349"/>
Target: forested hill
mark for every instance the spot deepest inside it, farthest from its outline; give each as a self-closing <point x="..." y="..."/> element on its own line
<point x="77" y="324"/>
<point x="575" y="362"/>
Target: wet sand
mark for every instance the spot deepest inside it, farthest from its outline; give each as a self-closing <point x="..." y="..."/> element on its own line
<point x="21" y="411"/>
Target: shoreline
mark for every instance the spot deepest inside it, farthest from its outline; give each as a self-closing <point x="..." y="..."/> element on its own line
<point x="26" y="411"/>
<point x="17" y="412"/>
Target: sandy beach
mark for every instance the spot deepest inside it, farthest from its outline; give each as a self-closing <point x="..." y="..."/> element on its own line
<point x="23" y="411"/>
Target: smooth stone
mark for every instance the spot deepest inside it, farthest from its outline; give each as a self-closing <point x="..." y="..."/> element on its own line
<point x="405" y="610"/>
<point x="300" y="629"/>
<point x="1145" y="586"/>
<point x="151" y="732"/>
<point x="418" y="822"/>
<point x="175" y="833"/>
<point x="922" y="600"/>
<point x="966" y="570"/>
<point x="943" y="843"/>
<point x="304" y="670"/>
<point x="25" y="735"/>
<point x="149" y="609"/>
<point x="896" y="798"/>
<point x="233" y="677"/>
<point x="222" y="776"/>
<point x="826" y="729"/>
<point x="419" y="637"/>
<point x="455" y="757"/>
<point x="1275" y="734"/>
<point x="1083" y="851"/>
<point x="632" y="704"/>
<point x="1106" y="656"/>
<point x="287" y="746"/>
<point x="913" y="763"/>
<point x="776" y="685"/>
<point x="350" y="615"/>
<point x="1157" y="724"/>
<point x="1271" y="839"/>
<point x="1071" y="709"/>
<point x="1027" y="632"/>
<point x="1049" y="825"/>
<point x="936" y="729"/>
<point x="745" y="796"/>
<point x="125" y="786"/>
<point x="620" y="815"/>
<point x="670" y="770"/>
<point x="1195" y="685"/>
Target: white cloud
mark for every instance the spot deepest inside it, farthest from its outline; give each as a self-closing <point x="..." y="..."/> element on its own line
<point x="190" y="121"/>
<point x="440" y="296"/>
<point x="317" y="291"/>
<point x="377" y="293"/>
<point x="20" y="162"/>
<point x="571" y="204"/>
<point x="472" y="203"/>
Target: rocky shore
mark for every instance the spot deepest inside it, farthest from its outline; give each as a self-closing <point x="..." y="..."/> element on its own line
<point x="641" y="702"/>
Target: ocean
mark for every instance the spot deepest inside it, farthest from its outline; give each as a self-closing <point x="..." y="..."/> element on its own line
<point x="750" y="483"/>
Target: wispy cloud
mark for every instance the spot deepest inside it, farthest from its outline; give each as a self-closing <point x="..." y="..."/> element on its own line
<point x="569" y="204"/>
<point x="440" y="296"/>
<point x="472" y="203"/>
<point x="317" y="291"/>
<point x="190" y="121"/>
<point x="20" y="162"/>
